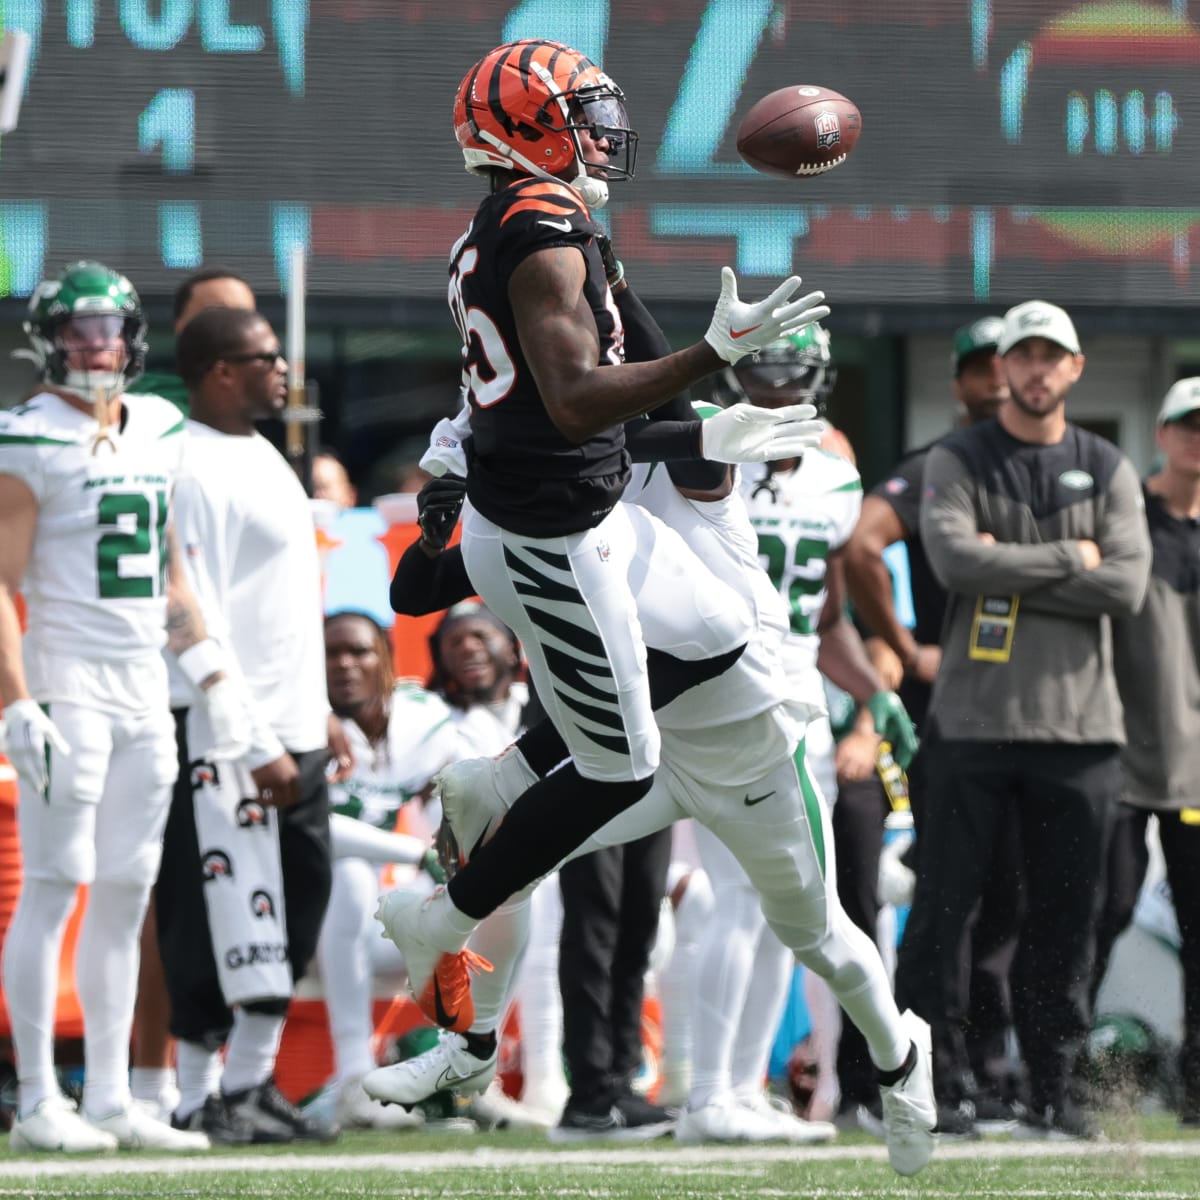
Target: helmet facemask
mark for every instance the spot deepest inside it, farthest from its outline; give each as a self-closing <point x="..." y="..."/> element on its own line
<point x="797" y="368"/>
<point x="87" y="308"/>
<point x="511" y="111"/>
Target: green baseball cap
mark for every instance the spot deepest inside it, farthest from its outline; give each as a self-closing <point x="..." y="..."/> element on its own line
<point x="983" y="334"/>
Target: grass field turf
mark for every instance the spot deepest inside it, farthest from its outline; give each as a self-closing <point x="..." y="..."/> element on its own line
<point x="1144" y="1160"/>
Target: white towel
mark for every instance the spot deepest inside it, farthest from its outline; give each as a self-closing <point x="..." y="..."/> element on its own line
<point x="243" y="878"/>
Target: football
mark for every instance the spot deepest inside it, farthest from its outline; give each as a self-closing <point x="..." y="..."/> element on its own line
<point x="799" y="131"/>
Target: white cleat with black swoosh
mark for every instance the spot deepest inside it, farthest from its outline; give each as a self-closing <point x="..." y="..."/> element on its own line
<point x="447" y="1066"/>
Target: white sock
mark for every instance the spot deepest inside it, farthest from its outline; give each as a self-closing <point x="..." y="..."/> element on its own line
<point x="724" y="967"/>
<point x="251" y="1050"/>
<point x="31" y="953"/>
<point x="445" y="926"/>
<point x="198" y="1075"/>
<point x="106" y="973"/>
<point x="344" y="950"/>
<point x="149" y="1083"/>
<point x="677" y="986"/>
<point x="770" y="982"/>
<point x="540" y="1001"/>
<point x="501" y="938"/>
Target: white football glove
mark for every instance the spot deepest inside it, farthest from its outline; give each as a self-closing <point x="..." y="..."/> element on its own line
<point x="745" y="433"/>
<point x="228" y="720"/>
<point x="738" y="328"/>
<point x="27" y="731"/>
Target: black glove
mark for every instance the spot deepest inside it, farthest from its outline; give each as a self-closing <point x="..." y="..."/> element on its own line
<point x="613" y="266"/>
<point x="438" y="504"/>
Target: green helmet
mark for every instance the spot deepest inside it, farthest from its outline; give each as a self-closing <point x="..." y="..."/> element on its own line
<point x="801" y="361"/>
<point x="82" y="291"/>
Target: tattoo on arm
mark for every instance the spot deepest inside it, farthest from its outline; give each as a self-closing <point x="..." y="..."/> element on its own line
<point x="185" y="624"/>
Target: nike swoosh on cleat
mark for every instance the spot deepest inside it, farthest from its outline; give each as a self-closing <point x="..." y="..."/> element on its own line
<point x="450" y="1078"/>
<point x="445" y="1019"/>
<point x="751" y="801"/>
<point x="563" y="225"/>
<point x="736" y="333"/>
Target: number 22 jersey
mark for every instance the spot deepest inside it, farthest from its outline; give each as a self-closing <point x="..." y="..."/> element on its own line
<point x="523" y="474"/>
<point x="95" y="584"/>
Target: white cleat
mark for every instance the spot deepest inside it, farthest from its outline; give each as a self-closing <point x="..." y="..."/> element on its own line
<point x="135" y="1128"/>
<point x="55" y="1126"/>
<point x="790" y="1127"/>
<point x="354" y="1109"/>
<point x="723" y="1119"/>
<point x="445" y="1067"/>
<point x="909" y="1109"/>
<point x="494" y="1108"/>
<point x="477" y="792"/>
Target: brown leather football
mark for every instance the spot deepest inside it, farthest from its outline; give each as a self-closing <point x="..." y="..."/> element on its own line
<point x="799" y="131"/>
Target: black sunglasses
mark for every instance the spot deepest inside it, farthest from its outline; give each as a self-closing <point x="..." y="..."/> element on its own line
<point x="270" y="357"/>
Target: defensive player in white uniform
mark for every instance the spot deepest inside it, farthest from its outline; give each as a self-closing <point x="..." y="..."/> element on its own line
<point x="733" y="758"/>
<point x="86" y="476"/>
<point x="803" y="511"/>
<point x="401" y="735"/>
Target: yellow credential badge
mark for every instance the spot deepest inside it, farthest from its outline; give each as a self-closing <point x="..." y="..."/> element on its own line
<point x="993" y="627"/>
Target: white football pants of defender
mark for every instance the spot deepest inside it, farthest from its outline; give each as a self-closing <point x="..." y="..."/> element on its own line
<point x="101" y="824"/>
<point x="777" y="828"/>
<point x="784" y="842"/>
<point x="585" y="607"/>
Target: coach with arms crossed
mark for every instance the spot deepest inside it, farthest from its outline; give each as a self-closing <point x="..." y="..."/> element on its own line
<point x="1036" y="529"/>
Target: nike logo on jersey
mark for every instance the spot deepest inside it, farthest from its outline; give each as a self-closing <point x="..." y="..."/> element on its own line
<point x="564" y="226"/>
<point x="751" y="801"/>
<point x="735" y="333"/>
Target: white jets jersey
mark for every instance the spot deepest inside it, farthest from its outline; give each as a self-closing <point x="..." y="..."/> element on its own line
<point x="720" y="534"/>
<point x="799" y="517"/>
<point x="486" y="729"/>
<point x="95" y="584"/>
<point x="422" y="738"/>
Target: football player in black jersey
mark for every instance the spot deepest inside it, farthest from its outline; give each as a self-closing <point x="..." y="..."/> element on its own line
<point x="586" y="582"/>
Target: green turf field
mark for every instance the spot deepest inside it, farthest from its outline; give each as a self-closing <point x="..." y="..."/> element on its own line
<point x="1144" y="1160"/>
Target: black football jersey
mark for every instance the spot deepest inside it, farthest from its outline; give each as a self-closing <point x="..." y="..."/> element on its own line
<point x="523" y="474"/>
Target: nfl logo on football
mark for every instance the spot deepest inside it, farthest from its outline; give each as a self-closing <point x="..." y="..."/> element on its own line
<point x="829" y="131"/>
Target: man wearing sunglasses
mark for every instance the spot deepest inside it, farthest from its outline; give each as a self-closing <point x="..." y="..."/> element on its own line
<point x="246" y="871"/>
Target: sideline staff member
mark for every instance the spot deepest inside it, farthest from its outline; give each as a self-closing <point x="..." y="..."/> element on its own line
<point x="1036" y="529"/>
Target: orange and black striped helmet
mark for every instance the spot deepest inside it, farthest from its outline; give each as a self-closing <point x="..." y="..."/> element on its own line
<point x="520" y="107"/>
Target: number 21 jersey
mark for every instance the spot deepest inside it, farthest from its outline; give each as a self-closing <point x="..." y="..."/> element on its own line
<point x="95" y="584"/>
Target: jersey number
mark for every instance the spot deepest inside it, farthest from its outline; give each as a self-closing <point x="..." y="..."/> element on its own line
<point x="488" y="370"/>
<point x="127" y="540"/>
<point x="773" y="550"/>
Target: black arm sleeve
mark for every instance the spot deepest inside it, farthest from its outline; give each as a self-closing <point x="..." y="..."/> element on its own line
<point x="663" y="441"/>
<point x="645" y="342"/>
<point x="424" y="585"/>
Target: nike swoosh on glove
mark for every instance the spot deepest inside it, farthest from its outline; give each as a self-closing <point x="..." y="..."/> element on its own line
<point x="27" y="732"/>
<point x="738" y="328"/>
<point x="745" y="433"/>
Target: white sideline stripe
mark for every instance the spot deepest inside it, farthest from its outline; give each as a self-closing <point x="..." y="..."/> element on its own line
<point x="487" y="1158"/>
